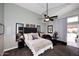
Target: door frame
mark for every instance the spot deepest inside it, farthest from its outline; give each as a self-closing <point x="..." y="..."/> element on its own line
<point x="77" y="31"/>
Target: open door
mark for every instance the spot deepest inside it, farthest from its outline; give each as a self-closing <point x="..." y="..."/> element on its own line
<point x="72" y="31"/>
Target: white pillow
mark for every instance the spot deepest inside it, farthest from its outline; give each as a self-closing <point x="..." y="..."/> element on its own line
<point x="30" y="36"/>
<point x="26" y="36"/>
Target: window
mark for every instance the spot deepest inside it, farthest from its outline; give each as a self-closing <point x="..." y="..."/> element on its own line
<point x="72" y="19"/>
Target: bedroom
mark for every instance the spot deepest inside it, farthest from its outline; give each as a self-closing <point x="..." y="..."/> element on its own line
<point x="32" y="14"/>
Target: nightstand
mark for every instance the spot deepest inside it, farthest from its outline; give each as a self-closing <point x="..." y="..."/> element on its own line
<point x="21" y="42"/>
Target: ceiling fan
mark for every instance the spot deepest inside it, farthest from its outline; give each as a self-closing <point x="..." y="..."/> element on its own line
<point x="47" y="18"/>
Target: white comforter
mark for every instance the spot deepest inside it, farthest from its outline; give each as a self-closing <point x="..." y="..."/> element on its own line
<point x="38" y="44"/>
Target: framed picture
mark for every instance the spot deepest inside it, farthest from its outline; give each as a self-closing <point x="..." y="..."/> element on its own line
<point x="27" y="25"/>
<point x="50" y="28"/>
<point x="1" y="29"/>
<point x="32" y="25"/>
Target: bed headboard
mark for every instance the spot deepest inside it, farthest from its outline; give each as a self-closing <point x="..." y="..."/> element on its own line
<point x="28" y="30"/>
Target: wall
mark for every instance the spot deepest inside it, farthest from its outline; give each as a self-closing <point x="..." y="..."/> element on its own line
<point x="61" y="27"/>
<point x="2" y="22"/>
<point x="15" y="14"/>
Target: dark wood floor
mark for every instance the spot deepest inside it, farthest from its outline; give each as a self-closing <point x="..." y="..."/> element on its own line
<point x="59" y="50"/>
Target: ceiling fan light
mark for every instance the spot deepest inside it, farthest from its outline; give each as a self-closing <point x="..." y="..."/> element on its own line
<point x="47" y="19"/>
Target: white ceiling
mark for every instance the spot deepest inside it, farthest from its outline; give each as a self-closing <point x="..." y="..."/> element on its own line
<point x="54" y="8"/>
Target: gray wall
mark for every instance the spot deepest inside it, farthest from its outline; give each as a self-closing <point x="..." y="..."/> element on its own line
<point x="15" y="14"/>
<point x="61" y="27"/>
<point x="1" y="36"/>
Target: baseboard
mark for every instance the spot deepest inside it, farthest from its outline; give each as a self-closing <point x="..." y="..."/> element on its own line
<point x="2" y="53"/>
<point x="62" y="42"/>
<point x="10" y="48"/>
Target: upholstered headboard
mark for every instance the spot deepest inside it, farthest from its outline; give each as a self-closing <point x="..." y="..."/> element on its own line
<point x="28" y="30"/>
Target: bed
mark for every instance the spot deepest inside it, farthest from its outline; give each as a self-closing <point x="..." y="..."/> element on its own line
<point x="37" y="45"/>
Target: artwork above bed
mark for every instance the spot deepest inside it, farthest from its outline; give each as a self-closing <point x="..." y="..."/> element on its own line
<point x="30" y="25"/>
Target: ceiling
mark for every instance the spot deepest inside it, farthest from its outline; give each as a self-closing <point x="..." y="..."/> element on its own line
<point x="54" y="8"/>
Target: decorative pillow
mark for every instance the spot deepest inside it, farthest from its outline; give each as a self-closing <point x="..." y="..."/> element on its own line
<point x="35" y="36"/>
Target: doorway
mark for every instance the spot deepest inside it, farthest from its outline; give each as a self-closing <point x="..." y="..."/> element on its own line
<point x="72" y="31"/>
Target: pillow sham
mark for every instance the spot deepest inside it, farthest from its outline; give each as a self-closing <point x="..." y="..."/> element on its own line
<point x="30" y="36"/>
<point x="26" y="36"/>
<point x="35" y="36"/>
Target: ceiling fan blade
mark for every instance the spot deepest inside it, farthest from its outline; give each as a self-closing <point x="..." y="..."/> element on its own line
<point x="51" y="19"/>
<point x="54" y="16"/>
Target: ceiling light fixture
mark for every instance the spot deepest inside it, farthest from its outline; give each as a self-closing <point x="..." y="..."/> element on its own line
<point x="47" y="19"/>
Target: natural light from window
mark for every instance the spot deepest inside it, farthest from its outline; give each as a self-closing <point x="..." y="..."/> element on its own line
<point x="72" y="31"/>
<point x="72" y="19"/>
